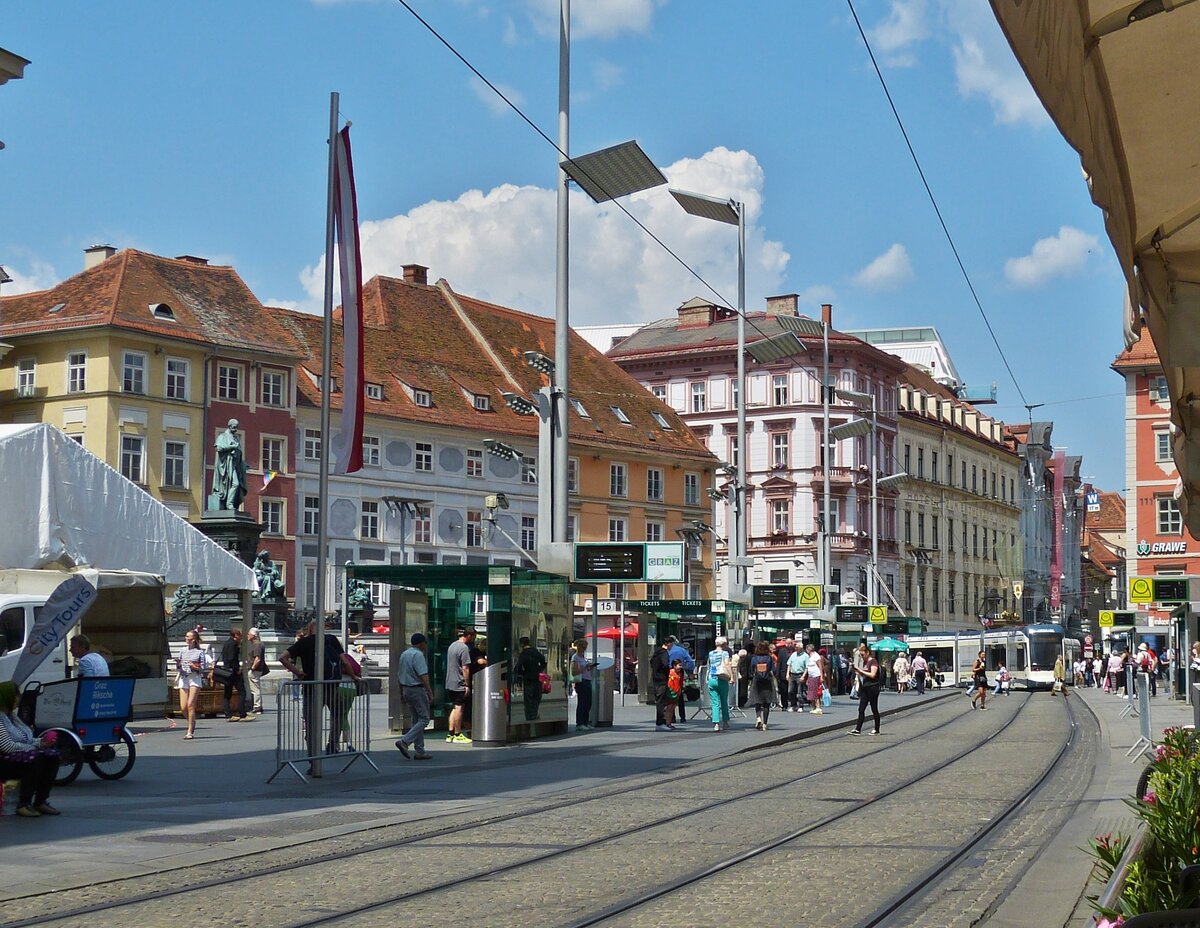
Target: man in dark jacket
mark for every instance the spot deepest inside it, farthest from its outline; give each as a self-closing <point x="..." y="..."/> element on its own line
<point x="529" y="667"/>
<point x="231" y="661"/>
<point x="660" y="669"/>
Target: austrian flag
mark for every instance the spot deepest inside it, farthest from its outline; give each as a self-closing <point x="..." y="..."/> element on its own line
<point x="347" y="445"/>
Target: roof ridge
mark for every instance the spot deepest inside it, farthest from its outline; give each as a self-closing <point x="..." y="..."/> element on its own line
<point x="444" y="286"/>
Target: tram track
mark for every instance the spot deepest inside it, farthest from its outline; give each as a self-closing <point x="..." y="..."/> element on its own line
<point x="129" y="904"/>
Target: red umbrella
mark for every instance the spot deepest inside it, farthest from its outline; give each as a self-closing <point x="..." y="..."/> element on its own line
<point x="631" y="631"/>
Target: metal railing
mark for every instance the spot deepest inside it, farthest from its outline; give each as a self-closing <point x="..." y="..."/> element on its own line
<point x="326" y="720"/>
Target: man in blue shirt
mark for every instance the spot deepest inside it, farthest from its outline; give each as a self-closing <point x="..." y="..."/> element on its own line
<point x="678" y="652"/>
<point x="412" y="674"/>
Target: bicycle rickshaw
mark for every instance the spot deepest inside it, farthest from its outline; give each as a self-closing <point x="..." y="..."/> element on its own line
<point x="89" y="716"/>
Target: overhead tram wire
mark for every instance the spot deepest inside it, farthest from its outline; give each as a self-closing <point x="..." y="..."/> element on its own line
<point x="725" y="302"/>
<point x="933" y="201"/>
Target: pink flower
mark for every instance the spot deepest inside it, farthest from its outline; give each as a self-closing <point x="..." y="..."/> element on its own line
<point x="1107" y="923"/>
<point x="1150" y="798"/>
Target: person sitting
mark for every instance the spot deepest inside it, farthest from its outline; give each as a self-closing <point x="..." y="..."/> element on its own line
<point x="87" y="662"/>
<point x="1002" y="681"/>
<point x="26" y="757"/>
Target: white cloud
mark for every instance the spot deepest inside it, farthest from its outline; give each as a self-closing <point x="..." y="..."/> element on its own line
<point x="812" y="297"/>
<point x="890" y="270"/>
<point x="40" y="276"/>
<point x="606" y="74"/>
<point x="290" y="304"/>
<point x="1057" y="256"/>
<point x="499" y="245"/>
<point x="985" y="66"/>
<point x="906" y="24"/>
<point x="600" y="19"/>
<point x="488" y="97"/>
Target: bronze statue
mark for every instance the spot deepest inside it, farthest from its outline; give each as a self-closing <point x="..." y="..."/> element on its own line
<point x="229" y="474"/>
<point x="270" y="583"/>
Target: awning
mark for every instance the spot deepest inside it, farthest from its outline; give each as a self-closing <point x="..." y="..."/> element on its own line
<point x="1119" y="79"/>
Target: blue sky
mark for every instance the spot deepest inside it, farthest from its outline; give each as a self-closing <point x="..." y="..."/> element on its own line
<point x="199" y="129"/>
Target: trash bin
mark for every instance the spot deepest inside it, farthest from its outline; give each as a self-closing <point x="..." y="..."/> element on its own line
<point x="604" y="681"/>
<point x="489" y="704"/>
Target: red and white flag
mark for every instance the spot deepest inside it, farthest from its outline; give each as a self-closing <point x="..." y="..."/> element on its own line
<point x="347" y="445"/>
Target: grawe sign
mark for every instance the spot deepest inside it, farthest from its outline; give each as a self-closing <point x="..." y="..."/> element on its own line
<point x="1148" y="549"/>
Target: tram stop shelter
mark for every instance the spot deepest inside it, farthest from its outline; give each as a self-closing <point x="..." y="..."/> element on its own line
<point x="695" y="622"/>
<point x="503" y="604"/>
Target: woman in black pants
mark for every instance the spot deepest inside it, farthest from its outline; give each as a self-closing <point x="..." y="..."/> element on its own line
<point x="25" y="757"/>
<point x="869" y="685"/>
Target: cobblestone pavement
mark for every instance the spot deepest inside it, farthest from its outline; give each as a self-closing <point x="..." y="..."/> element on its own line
<point x="651" y="830"/>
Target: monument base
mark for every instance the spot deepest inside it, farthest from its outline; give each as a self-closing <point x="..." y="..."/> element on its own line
<point x="234" y="531"/>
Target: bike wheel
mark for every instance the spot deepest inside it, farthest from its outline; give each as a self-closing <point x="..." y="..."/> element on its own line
<point x="113" y="761"/>
<point x="70" y="759"/>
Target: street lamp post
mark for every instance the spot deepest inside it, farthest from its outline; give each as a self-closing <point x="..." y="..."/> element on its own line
<point x="404" y="506"/>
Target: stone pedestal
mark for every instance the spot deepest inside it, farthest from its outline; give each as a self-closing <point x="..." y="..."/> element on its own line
<point x="235" y="531"/>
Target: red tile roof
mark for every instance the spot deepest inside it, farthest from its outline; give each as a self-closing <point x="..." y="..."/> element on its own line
<point x="211" y="304"/>
<point x="1141" y="356"/>
<point x="415" y="336"/>
<point x="1111" y="516"/>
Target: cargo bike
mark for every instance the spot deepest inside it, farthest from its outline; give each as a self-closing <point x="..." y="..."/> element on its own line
<point x="89" y="717"/>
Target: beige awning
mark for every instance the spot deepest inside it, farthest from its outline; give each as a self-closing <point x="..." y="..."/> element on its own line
<point x="1121" y="80"/>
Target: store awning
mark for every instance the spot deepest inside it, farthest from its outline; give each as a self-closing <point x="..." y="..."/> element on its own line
<point x="1119" y="79"/>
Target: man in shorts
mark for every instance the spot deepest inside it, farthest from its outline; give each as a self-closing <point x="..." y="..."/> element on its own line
<point x="458" y="684"/>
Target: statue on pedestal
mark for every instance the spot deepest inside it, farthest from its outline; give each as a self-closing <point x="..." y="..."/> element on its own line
<point x="270" y="583"/>
<point x="229" y="474"/>
<point x="358" y="598"/>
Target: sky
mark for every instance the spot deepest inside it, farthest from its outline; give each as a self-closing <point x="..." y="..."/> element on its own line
<point x="200" y="129"/>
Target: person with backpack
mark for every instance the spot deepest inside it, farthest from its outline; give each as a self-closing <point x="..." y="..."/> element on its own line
<point x="529" y="668"/>
<point x="762" y="683"/>
<point x="720" y="672"/>
<point x="1148" y="664"/>
<point x="870" y="682"/>
<point x="660" y="672"/>
<point x="305" y="651"/>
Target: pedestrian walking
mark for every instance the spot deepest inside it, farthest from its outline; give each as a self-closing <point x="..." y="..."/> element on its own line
<point x="581" y="676"/>
<point x="762" y="683"/>
<point x="316" y="698"/>
<point x="1147" y="662"/>
<point x="230" y="674"/>
<point x="1098" y="670"/>
<point x="979" y="681"/>
<point x="256" y="660"/>
<point x="743" y="674"/>
<point x="679" y="653"/>
<point x="867" y="669"/>
<point x="192" y="664"/>
<point x="1116" y="672"/>
<point x="856" y="666"/>
<point x="660" y="672"/>
<point x="902" y="670"/>
<point x="412" y="675"/>
<point x="674" y="689"/>
<point x="720" y="672"/>
<point x="529" y="668"/>
<point x="797" y="664"/>
<point x="814" y="669"/>
<point x="920" y="669"/>
<point x="1002" y="682"/>
<point x="458" y="684"/>
<point x="1060" y="677"/>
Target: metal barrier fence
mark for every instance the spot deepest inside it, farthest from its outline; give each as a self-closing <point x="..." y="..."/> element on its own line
<point x="326" y="720"/>
<point x="1145" y="739"/>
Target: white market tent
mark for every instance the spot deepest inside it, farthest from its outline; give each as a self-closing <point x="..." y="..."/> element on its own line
<point x="1119" y="79"/>
<point x="65" y="508"/>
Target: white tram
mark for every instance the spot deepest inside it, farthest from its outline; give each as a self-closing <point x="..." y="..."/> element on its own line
<point x="1028" y="651"/>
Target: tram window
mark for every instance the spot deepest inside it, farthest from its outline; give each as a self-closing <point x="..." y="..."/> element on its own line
<point x="995" y="656"/>
<point x="1044" y="650"/>
<point x="12" y="628"/>
<point x="1020" y="658"/>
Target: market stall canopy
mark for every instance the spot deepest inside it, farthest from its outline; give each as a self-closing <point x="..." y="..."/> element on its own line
<point x="66" y="508"/>
<point x="631" y="631"/>
<point x="889" y="644"/>
<point x="1119" y="79"/>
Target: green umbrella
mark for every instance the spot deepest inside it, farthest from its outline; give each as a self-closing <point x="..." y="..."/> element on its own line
<point x="889" y="644"/>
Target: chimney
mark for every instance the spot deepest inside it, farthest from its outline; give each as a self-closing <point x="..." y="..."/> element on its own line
<point x="416" y="274"/>
<point x="827" y="315"/>
<point x="97" y="254"/>
<point x="786" y="305"/>
<point x="696" y="313"/>
<point x="192" y="259"/>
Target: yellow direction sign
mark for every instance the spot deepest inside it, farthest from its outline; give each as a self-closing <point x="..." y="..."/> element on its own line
<point x="808" y="595"/>
<point x="878" y="615"/>
<point x="1141" y="590"/>
<point x="1106" y="618"/>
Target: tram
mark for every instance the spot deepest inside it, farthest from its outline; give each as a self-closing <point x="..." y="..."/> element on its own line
<point x="1028" y="651"/>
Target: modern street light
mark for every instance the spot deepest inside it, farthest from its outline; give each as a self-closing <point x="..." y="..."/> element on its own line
<point x="731" y="212"/>
<point x="519" y="404"/>
<point x="404" y="506"/>
<point x="501" y="450"/>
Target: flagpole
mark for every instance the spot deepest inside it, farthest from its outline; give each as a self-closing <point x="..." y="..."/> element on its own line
<point x="314" y="702"/>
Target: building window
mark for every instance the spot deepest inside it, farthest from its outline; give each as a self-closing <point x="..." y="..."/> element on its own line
<point x="271" y="389"/>
<point x="423" y="398"/>
<point x="528" y="470"/>
<point x="920" y="463"/>
<point x="424" y="457"/>
<point x="993" y="484"/>
<point x="734" y="456"/>
<point x="26" y="376"/>
<point x="370" y="450"/>
<point x="974" y="479"/>
<point x="272" y="455"/>
<point x="654" y="483"/>
<point x="374" y="391"/>
<point x="734" y="393"/>
<point x="964" y="536"/>
<point x="616" y="591"/>
<point x="974" y="541"/>
<point x="1170" y="519"/>
<point x="950" y="535"/>
<point x="935" y="532"/>
<point x="270" y="514"/>
<point x="654" y="591"/>
<point x="312" y="515"/>
<point x="779" y="390"/>
<point x="229" y="382"/>
<point x="662" y="421"/>
<point x="907" y="459"/>
<point x="474" y="462"/>
<point x="474" y="528"/>
<point x="964" y="475"/>
<point x="310" y="586"/>
<point x="620" y="414"/>
<point x="133" y="373"/>
<point x="580" y="409"/>
<point x="920" y="530"/>
<point x="175" y="464"/>
<point x="617" y="482"/>
<point x="370" y="520"/>
<point x="312" y="445"/>
<point x="781" y="516"/>
<point x="76" y="372"/>
<point x="423" y="526"/>
<point x="907" y="527"/>
<point x="780" y="450"/>
<point x="654" y="531"/>
<point x="1158" y="389"/>
<point x="573" y="475"/>
<point x="528" y="533"/>
<point x="617" y="529"/>
<point x="482" y="402"/>
<point x="691" y="489"/>
<point x="1162" y="446"/>
<point x="933" y="466"/>
<point x="660" y="391"/>
<point x="699" y="397"/>
<point x="177" y="379"/>
<point x="572" y="528"/>
<point x="133" y="458"/>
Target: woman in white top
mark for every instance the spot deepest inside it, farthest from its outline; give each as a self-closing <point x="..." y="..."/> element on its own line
<point x="192" y="663"/>
<point x="901" y="669"/>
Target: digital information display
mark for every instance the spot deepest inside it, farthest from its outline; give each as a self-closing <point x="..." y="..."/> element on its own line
<point x="774" y="596"/>
<point x="610" y="562"/>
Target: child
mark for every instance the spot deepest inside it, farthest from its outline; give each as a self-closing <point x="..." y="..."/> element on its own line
<point x="674" y="690"/>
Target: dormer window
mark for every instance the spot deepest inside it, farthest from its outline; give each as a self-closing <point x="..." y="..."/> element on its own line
<point x="482" y="402"/>
<point x="374" y="391"/>
<point x="423" y="398"/>
<point x="620" y="414"/>
<point x="661" y="420"/>
<point x="162" y="311"/>
<point x="56" y="308"/>
<point x="579" y="409"/>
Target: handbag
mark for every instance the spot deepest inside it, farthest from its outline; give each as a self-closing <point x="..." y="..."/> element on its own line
<point x="222" y="674"/>
<point x="691" y="692"/>
<point x="826" y="699"/>
<point x="546" y="683"/>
